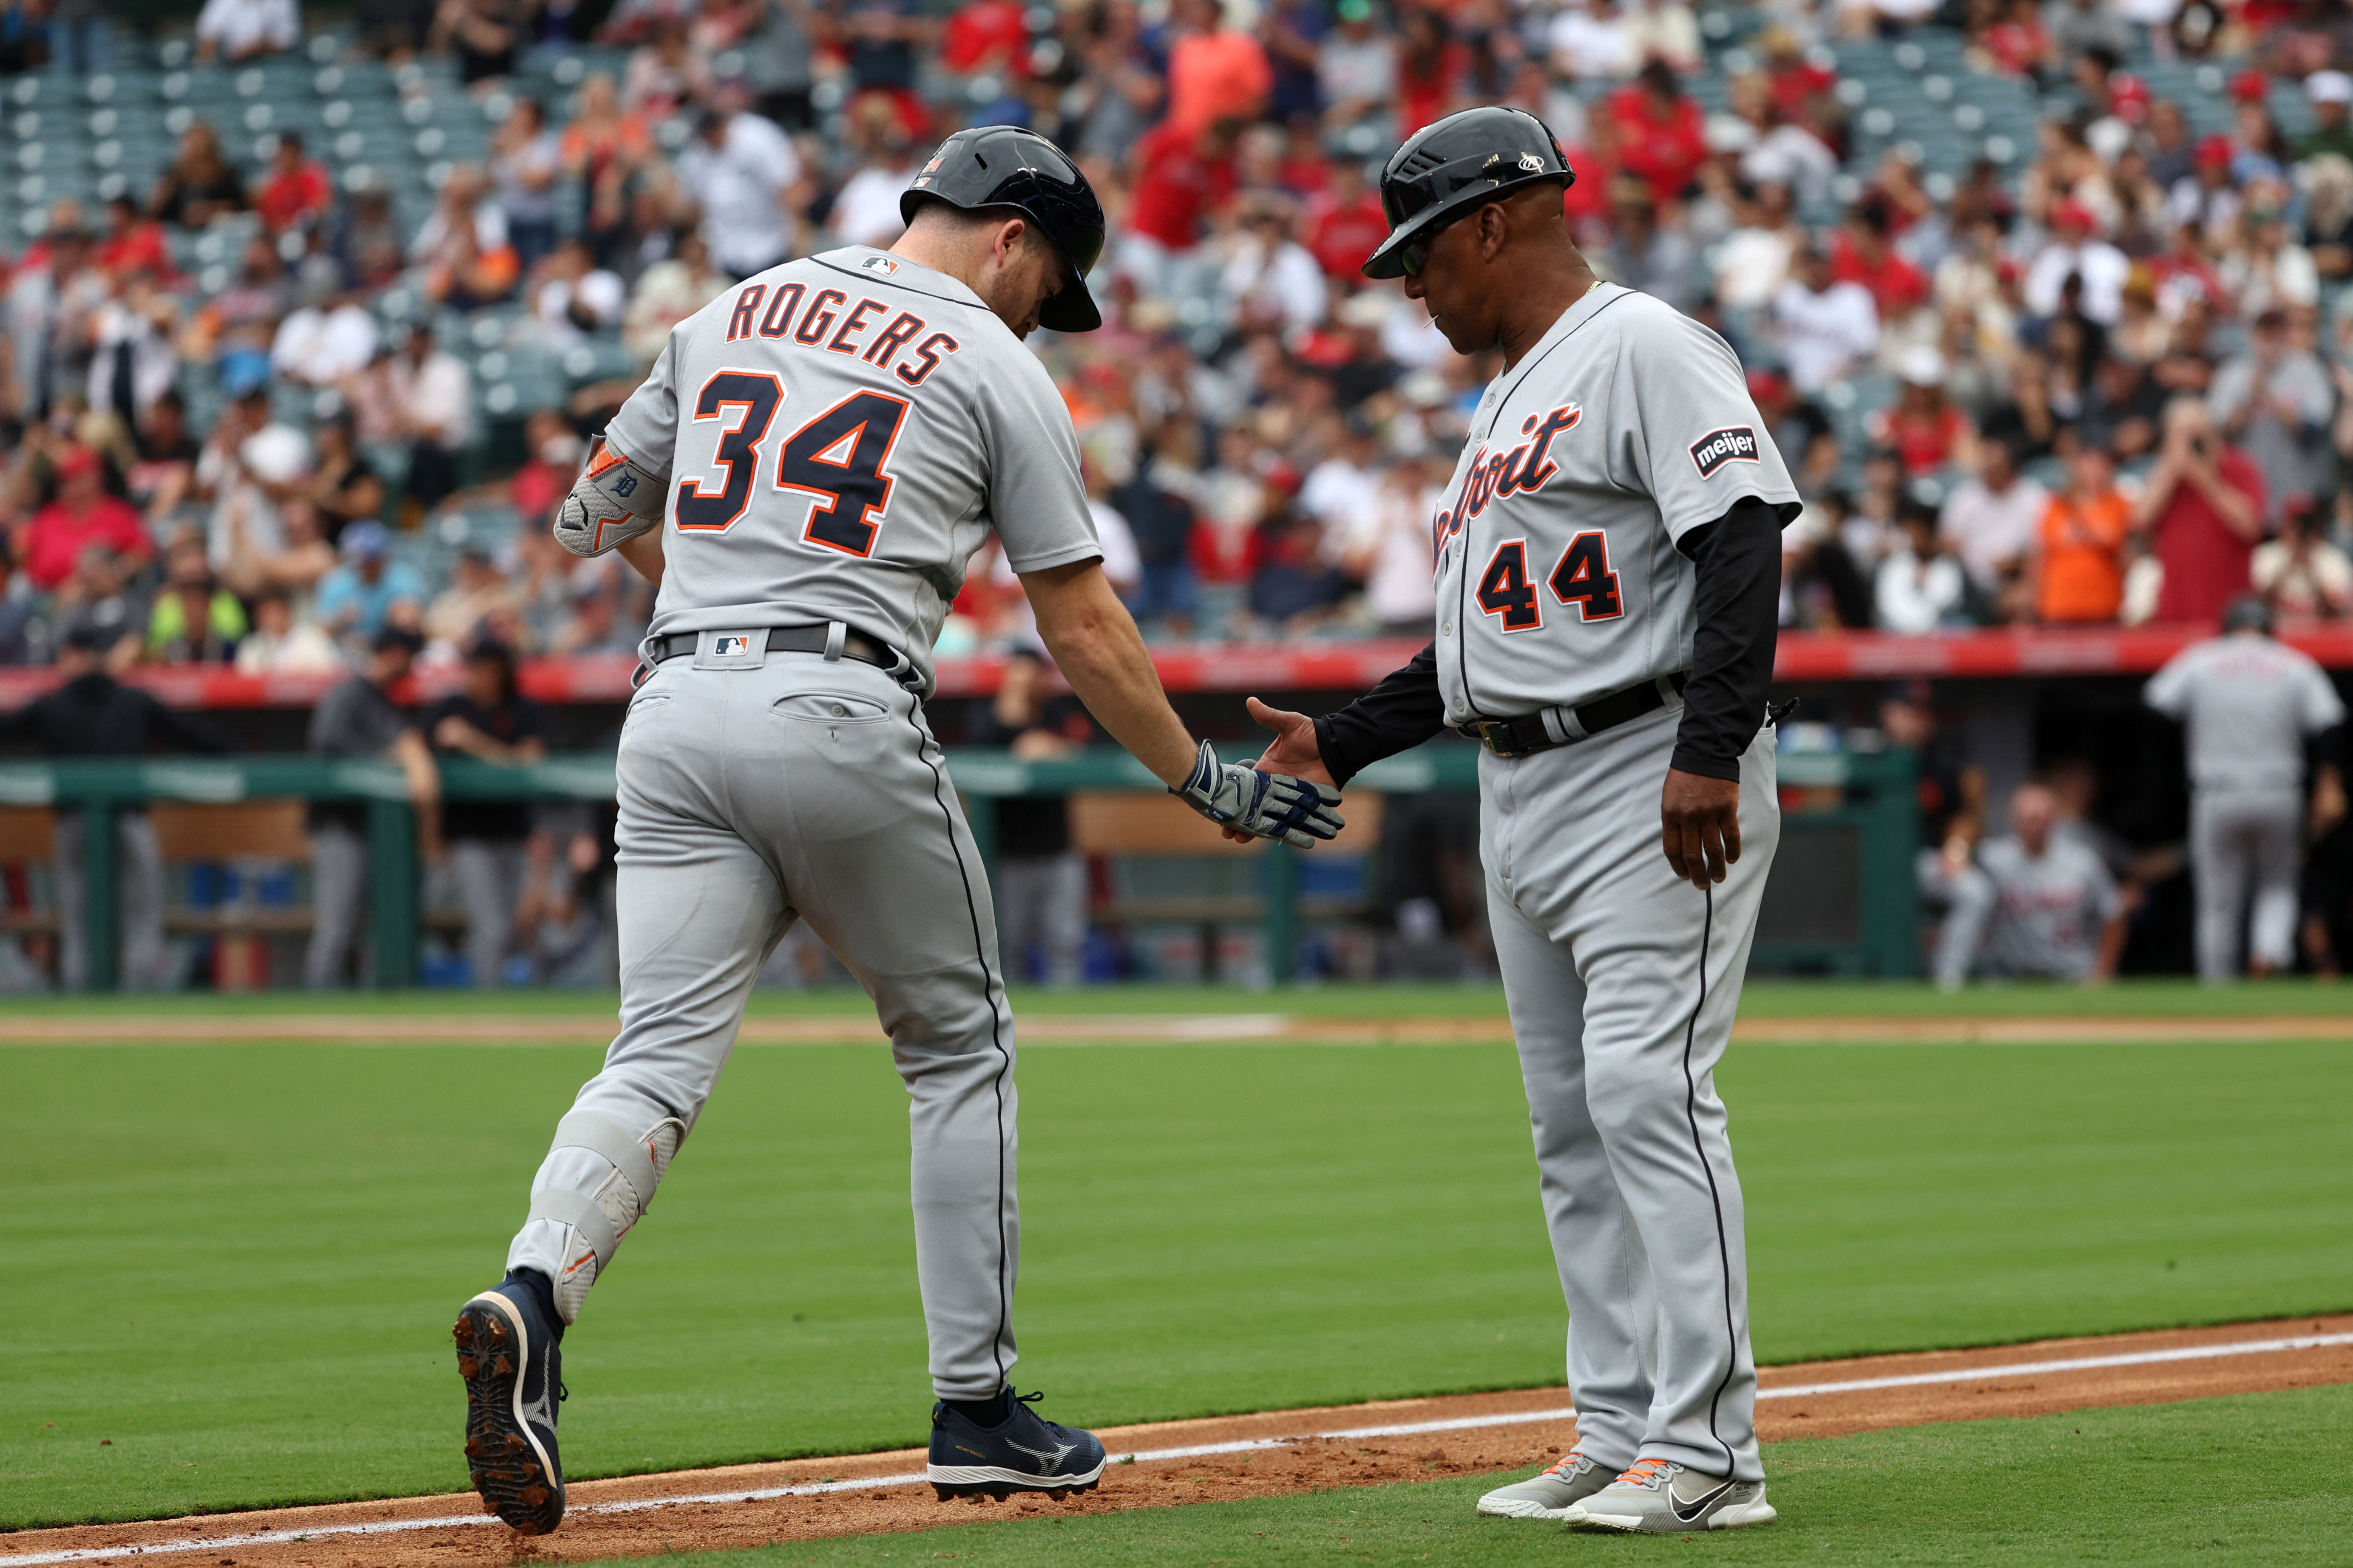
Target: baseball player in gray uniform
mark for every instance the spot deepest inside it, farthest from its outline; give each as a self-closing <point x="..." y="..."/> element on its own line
<point x="806" y="471"/>
<point x="2037" y="903"/>
<point x="1607" y="564"/>
<point x="2247" y="703"/>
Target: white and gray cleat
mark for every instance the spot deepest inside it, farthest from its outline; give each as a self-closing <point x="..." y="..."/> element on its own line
<point x="1548" y="1494"/>
<point x="1662" y="1496"/>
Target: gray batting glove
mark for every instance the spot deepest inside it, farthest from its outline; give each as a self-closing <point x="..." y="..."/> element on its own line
<point x="1262" y="805"/>
<point x="613" y="500"/>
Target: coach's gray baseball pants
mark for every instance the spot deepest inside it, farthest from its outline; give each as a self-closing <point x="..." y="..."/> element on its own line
<point x="798" y="787"/>
<point x="2246" y="847"/>
<point x="1622" y="983"/>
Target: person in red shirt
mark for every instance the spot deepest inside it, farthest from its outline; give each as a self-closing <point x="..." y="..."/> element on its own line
<point x="2204" y="509"/>
<point x="1861" y="254"/>
<point x="133" y="244"/>
<point x="296" y="190"/>
<point x="1430" y="65"/>
<point x="1345" y="222"/>
<point x="1181" y="177"/>
<point x="1215" y="72"/>
<point x="1659" y="136"/>
<point x="82" y="515"/>
<point x="1923" y="428"/>
<point x="986" y="34"/>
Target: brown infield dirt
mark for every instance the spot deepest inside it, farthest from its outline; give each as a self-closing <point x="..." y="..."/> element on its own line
<point x="1359" y="1446"/>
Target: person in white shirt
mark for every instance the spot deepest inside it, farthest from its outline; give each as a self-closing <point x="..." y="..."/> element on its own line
<point x="1592" y="43"/>
<point x="433" y="403"/>
<point x="2075" y="251"/>
<point x="1339" y="491"/>
<point x="1992" y="519"/>
<point x="744" y="175"/>
<point x="1824" y="327"/>
<point x="1355" y="66"/>
<point x="866" y="211"/>
<point x="1918" y="587"/>
<point x="2301" y="572"/>
<point x="577" y="297"/>
<point x="1755" y="258"/>
<point x="1271" y="278"/>
<point x="240" y="29"/>
<point x="1388" y="547"/>
<point x="323" y="342"/>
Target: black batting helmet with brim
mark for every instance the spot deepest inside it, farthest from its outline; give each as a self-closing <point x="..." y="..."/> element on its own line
<point x="1450" y="168"/>
<point x="1006" y="166"/>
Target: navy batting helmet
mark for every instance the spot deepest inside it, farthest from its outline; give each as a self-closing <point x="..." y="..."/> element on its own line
<point x="2248" y="612"/>
<point x="1006" y="166"/>
<point x="1450" y="169"/>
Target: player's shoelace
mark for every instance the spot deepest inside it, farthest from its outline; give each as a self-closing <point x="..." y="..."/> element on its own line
<point x="1565" y="1465"/>
<point x="1642" y="1473"/>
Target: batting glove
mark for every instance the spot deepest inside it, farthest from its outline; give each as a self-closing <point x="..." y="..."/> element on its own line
<point x="1262" y="805"/>
<point x="613" y="500"/>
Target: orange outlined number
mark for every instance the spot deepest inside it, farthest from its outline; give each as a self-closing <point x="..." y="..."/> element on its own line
<point x="757" y="395"/>
<point x="1504" y="589"/>
<point x="841" y="457"/>
<point x="1583" y="578"/>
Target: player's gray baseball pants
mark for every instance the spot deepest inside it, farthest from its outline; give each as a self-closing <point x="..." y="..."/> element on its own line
<point x="1622" y="983"/>
<point x="2243" y="843"/>
<point x="748" y="797"/>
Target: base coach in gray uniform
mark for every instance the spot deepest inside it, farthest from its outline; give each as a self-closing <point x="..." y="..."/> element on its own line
<point x="806" y="471"/>
<point x="2248" y="704"/>
<point x="1608" y="567"/>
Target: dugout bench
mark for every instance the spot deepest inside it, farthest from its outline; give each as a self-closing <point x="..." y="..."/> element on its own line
<point x="1842" y="900"/>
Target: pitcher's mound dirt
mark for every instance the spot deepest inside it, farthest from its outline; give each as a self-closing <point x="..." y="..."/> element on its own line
<point x="1298" y="1450"/>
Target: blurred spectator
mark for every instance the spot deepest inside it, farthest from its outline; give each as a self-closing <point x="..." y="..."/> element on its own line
<point x="595" y="624"/>
<point x="1825" y="327"/>
<point x="196" y="620"/>
<point x="239" y="30"/>
<point x="1355" y="66"/>
<point x="1590" y="41"/>
<point x="476" y="591"/>
<point x="746" y="180"/>
<point x="360" y="718"/>
<point x="1040" y="883"/>
<point x="667" y="293"/>
<point x="101" y="601"/>
<point x="277" y="644"/>
<point x="2075" y="252"/>
<point x="1919" y="588"/>
<point x="2203" y="509"/>
<point x="1658" y="131"/>
<point x="1992" y="520"/>
<point x="2274" y="402"/>
<point x="482" y="33"/>
<point x="297" y="192"/>
<point x="866" y="208"/>
<point x="2078" y="572"/>
<point x="2329" y="92"/>
<point x="341" y="487"/>
<point x="133" y="243"/>
<point x="325" y="339"/>
<point x="468" y="259"/>
<point x="1181" y="175"/>
<point x="493" y="721"/>
<point x="368" y="241"/>
<point x="166" y="470"/>
<point x="246" y="467"/>
<point x="1292" y="587"/>
<point x="1922" y="427"/>
<point x="90" y="715"/>
<point x="546" y="476"/>
<point x="577" y="299"/>
<point x="1271" y="279"/>
<point x="1644" y="254"/>
<point x="199" y="184"/>
<point x="1216" y="72"/>
<point x="2302" y="573"/>
<point x="528" y="157"/>
<point x="369" y="592"/>
<point x="83" y="515"/>
<point x="1386" y="548"/>
<point x="432" y="409"/>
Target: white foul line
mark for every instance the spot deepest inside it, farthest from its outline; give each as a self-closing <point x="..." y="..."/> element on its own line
<point x="1195" y="1451"/>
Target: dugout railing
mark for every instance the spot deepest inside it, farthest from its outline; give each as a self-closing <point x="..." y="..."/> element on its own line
<point x="1842" y="900"/>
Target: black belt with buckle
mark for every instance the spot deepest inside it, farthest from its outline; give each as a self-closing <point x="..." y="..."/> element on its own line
<point x="786" y="639"/>
<point x="1518" y="737"/>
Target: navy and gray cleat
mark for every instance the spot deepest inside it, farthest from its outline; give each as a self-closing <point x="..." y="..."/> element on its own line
<point x="507" y="1353"/>
<point x="1023" y="1452"/>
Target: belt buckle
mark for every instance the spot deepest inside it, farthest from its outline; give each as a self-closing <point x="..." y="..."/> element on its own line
<point x="1488" y="729"/>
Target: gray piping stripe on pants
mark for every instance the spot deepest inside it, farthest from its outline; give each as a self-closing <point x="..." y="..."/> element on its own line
<point x="1715" y="1197"/>
<point x="991" y="986"/>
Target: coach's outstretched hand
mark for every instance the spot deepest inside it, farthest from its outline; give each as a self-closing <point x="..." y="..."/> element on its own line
<point x="1240" y="798"/>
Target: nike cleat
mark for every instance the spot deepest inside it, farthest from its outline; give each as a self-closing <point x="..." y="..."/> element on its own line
<point x="1023" y="1452"/>
<point x="1549" y="1494"/>
<point x="507" y="1354"/>
<point x="1660" y="1496"/>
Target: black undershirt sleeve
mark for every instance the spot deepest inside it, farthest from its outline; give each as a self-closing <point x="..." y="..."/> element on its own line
<point x="1401" y="712"/>
<point x="1738" y="609"/>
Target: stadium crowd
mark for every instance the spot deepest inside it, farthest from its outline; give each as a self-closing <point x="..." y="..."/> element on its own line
<point x="2101" y="381"/>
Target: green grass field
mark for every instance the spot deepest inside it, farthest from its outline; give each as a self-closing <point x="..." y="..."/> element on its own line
<point x="2237" y="1481"/>
<point x="239" y="1263"/>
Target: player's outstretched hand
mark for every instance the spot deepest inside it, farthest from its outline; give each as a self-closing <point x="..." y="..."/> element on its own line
<point x="1296" y="751"/>
<point x="1261" y="805"/>
<point x="1699" y="826"/>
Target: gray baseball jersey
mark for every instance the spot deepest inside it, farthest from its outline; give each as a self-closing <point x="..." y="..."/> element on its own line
<point x="2047" y="910"/>
<point x="2248" y="704"/>
<point x="838" y="435"/>
<point x="1627" y="425"/>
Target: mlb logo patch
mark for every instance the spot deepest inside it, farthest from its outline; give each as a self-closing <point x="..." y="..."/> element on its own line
<point x="1736" y="444"/>
<point x="731" y="648"/>
<point x="881" y="266"/>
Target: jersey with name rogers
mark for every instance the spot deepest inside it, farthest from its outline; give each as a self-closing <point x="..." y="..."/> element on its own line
<point x="838" y="435"/>
<point x="1627" y="425"/>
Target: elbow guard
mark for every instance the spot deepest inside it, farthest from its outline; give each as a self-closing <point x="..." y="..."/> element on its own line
<point x="613" y="500"/>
